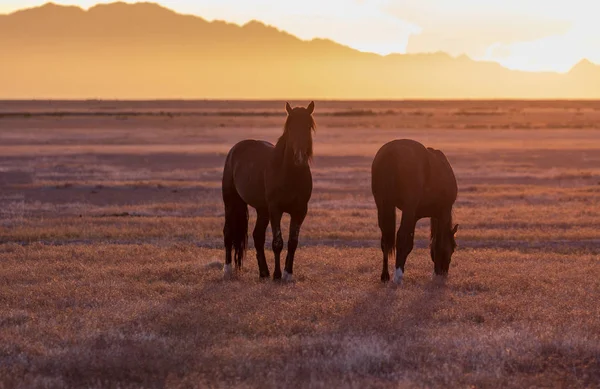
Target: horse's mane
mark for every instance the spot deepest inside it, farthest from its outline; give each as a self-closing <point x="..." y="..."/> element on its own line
<point x="435" y="153"/>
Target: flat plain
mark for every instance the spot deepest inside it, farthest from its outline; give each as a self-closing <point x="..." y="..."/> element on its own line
<point x="111" y="251"/>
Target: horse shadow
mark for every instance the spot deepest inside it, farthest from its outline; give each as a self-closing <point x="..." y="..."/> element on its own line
<point x="383" y="309"/>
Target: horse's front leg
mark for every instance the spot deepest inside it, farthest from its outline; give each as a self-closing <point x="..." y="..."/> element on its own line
<point x="275" y="216"/>
<point x="405" y="242"/>
<point x="296" y="221"/>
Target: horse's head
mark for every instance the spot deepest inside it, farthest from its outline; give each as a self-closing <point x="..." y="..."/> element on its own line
<point x="443" y="244"/>
<point x="299" y="127"/>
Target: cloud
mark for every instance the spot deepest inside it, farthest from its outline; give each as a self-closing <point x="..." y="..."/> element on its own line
<point x="467" y="27"/>
<point x="552" y="53"/>
<point x="476" y="37"/>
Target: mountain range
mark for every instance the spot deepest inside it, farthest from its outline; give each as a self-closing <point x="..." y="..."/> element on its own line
<point x="145" y="51"/>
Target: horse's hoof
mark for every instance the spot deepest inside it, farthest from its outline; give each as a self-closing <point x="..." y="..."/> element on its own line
<point x="398" y="275"/>
<point x="227" y="272"/>
<point x="276" y="276"/>
<point x="264" y="275"/>
<point x="385" y="277"/>
<point x="287" y="277"/>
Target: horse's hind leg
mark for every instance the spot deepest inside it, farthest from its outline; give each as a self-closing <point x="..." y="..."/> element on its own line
<point x="386" y="216"/>
<point x="296" y="221"/>
<point x="385" y="273"/>
<point x="260" y="229"/>
<point x="404" y="243"/>
<point x="275" y="216"/>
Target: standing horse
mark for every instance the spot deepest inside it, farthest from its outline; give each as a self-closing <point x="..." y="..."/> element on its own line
<point x="273" y="180"/>
<point x="420" y="182"/>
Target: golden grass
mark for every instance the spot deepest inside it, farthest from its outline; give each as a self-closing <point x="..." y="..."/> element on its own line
<point x="110" y="245"/>
<point x="102" y="314"/>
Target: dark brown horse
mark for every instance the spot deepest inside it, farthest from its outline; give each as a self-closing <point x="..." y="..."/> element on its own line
<point x="273" y="180"/>
<point x="420" y="182"/>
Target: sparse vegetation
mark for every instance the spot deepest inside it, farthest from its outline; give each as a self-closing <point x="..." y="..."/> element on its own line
<point x="110" y="253"/>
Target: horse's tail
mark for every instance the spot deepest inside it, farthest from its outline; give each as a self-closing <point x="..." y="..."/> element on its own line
<point x="236" y="215"/>
<point x="236" y="225"/>
<point x="383" y="188"/>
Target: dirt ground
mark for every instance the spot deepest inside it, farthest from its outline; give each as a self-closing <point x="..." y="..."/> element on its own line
<point x="111" y="251"/>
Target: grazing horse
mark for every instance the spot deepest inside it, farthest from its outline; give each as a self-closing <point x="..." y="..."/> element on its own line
<point x="420" y="182"/>
<point x="273" y="180"/>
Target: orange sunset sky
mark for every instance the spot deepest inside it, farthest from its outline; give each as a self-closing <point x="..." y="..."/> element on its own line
<point x="533" y="35"/>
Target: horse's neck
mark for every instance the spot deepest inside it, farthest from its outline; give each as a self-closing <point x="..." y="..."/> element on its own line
<point x="441" y="182"/>
<point x="283" y="160"/>
<point x="443" y="223"/>
<point x="279" y="155"/>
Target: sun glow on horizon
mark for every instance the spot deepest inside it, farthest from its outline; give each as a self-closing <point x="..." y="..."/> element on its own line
<point x="530" y="35"/>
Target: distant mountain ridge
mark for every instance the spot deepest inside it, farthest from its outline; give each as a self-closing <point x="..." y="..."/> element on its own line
<point x="146" y="51"/>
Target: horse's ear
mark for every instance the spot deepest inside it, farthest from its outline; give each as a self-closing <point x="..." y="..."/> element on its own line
<point x="311" y="108"/>
<point x="455" y="230"/>
<point x="288" y="108"/>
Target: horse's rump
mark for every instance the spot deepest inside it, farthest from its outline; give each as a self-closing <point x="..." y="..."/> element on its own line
<point x="245" y="171"/>
<point x="400" y="172"/>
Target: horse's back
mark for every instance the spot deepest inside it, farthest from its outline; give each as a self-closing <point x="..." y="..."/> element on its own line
<point x="254" y="147"/>
<point x="244" y="171"/>
<point x="399" y="172"/>
<point x="403" y="151"/>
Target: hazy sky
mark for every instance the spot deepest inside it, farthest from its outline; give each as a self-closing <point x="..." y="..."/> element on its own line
<point x="520" y="34"/>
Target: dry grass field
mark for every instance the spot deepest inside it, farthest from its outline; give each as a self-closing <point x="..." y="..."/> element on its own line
<point x="111" y="251"/>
